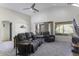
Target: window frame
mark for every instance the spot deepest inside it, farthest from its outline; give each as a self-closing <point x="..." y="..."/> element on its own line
<point x="65" y="22"/>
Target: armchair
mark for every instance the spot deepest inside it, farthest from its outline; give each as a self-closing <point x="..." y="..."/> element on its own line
<point x="48" y="37"/>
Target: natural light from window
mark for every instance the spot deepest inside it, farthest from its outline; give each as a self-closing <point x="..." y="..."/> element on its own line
<point x="64" y="28"/>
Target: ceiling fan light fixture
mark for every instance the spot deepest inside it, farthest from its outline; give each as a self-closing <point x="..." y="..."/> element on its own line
<point x="34" y="12"/>
<point x="30" y="9"/>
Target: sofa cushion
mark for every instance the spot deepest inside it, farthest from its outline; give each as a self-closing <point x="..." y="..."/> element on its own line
<point x="21" y="37"/>
<point x="30" y="35"/>
<point x="36" y="43"/>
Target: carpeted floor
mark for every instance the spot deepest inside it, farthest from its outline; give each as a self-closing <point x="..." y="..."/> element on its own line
<point x="7" y="48"/>
<point x="57" y="48"/>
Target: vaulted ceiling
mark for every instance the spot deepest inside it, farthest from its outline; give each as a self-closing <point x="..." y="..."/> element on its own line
<point x="40" y="6"/>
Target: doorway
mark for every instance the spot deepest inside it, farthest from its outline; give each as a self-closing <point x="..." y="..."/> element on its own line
<point x="7" y="30"/>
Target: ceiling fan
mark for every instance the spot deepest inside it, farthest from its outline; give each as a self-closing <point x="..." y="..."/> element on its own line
<point x="32" y="8"/>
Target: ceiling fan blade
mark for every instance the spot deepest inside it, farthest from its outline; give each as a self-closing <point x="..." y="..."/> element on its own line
<point x="35" y="9"/>
<point x="26" y="8"/>
<point x="33" y="5"/>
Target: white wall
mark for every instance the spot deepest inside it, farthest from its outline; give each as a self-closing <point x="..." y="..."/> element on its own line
<point x="15" y="18"/>
<point x="56" y="14"/>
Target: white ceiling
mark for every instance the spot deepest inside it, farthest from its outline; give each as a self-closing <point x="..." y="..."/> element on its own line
<point x="40" y="6"/>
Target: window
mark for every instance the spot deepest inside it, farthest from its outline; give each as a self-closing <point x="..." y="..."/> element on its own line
<point x="64" y="28"/>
